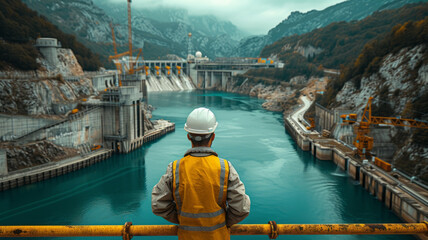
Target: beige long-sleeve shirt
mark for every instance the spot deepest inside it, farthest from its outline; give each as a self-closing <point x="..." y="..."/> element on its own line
<point x="238" y="203"/>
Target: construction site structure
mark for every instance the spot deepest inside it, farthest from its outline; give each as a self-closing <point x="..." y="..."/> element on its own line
<point x="124" y="128"/>
<point x="124" y="102"/>
<point x="362" y="141"/>
<point x="48" y="47"/>
<point x="125" y="62"/>
<point x="130" y="35"/>
<point x="178" y="70"/>
<point x="312" y="124"/>
<point x="326" y="133"/>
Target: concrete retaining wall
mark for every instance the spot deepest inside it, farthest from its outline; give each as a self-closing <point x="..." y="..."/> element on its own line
<point x="324" y="118"/>
<point x="323" y="153"/>
<point x="340" y="161"/>
<point x="37" y="175"/>
<point x="354" y="170"/>
<point x="151" y="136"/>
<point x="86" y="129"/>
<point x="3" y="162"/>
<point x="302" y="141"/>
<point x="12" y="127"/>
<point x="51" y="170"/>
<point x="402" y="204"/>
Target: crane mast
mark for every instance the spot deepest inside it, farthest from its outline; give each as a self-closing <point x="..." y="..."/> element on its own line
<point x="114" y="39"/>
<point x="131" y="63"/>
<point x="129" y="66"/>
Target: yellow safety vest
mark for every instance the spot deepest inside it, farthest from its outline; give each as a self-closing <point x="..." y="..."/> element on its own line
<point x="200" y="192"/>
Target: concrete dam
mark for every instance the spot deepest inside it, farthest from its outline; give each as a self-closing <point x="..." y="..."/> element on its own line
<point x="115" y="117"/>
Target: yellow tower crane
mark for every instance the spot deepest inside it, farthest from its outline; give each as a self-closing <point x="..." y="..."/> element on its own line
<point x="131" y="64"/>
<point x="364" y="143"/>
<point x="130" y="67"/>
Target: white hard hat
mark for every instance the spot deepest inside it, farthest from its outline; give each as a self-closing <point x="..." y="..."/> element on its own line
<point x="201" y="121"/>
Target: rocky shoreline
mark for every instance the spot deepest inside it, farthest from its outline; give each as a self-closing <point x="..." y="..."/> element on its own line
<point x="278" y="96"/>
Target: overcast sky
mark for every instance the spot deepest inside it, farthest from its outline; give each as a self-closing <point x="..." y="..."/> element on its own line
<point x="253" y="16"/>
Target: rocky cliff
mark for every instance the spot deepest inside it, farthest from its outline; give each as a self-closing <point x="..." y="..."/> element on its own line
<point x="53" y="89"/>
<point x="279" y="96"/>
<point x="67" y="64"/>
<point x="395" y="75"/>
<point x="40" y="97"/>
<point x="34" y="154"/>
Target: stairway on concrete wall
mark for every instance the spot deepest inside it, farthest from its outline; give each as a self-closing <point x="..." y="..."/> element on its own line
<point x="40" y="134"/>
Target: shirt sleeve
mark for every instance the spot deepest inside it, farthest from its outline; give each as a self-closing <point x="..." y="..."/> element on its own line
<point x="238" y="202"/>
<point x="162" y="199"/>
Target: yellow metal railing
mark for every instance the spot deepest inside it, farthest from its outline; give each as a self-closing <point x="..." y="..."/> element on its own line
<point x="272" y="229"/>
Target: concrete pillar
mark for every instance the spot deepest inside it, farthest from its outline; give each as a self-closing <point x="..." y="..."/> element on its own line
<point x="193" y="74"/>
<point x="206" y="80"/>
<point x="223" y="82"/>
<point x="3" y="162"/>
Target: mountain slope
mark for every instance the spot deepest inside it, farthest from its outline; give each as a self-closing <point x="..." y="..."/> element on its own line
<point x="173" y="25"/>
<point x="158" y="32"/>
<point x="299" y="23"/>
<point x="20" y="26"/>
<point x="339" y="44"/>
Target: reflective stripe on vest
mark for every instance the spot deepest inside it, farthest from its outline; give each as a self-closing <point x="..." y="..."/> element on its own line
<point x="176" y="193"/>
<point x="222" y="173"/>
<point x="191" y="219"/>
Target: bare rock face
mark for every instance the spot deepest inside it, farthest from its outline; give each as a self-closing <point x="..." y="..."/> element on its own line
<point x="148" y="125"/>
<point x="40" y="92"/>
<point x="276" y="95"/>
<point x="38" y="97"/>
<point x="19" y="157"/>
<point x="67" y="64"/>
<point x="397" y="72"/>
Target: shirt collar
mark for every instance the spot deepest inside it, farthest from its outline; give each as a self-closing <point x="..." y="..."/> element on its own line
<point x="200" y="152"/>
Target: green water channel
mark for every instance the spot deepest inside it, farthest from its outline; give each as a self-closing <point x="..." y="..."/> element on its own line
<point x="284" y="183"/>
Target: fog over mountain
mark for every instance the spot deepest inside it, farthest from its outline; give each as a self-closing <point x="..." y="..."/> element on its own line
<point x="253" y="16"/>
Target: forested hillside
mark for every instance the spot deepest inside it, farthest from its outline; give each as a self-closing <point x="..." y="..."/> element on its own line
<point x="340" y="43"/>
<point x="409" y="34"/>
<point x="300" y="23"/>
<point x="20" y="27"/>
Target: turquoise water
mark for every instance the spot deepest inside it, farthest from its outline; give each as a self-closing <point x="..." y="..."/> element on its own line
<point x="284" y="183"/>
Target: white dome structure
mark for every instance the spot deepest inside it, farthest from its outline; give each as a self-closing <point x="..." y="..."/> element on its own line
<point x="198" y="54"/>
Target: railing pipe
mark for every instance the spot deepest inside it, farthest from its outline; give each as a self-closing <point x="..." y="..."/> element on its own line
<point x="241" y="229"/>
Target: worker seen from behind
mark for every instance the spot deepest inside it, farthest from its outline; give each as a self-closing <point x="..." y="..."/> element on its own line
<point x="201" y="192"/>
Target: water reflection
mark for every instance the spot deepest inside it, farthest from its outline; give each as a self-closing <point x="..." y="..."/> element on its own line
<point x="104" y="185"/>
<point x="215" y="100"/>
<point x="129" y="188"/>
